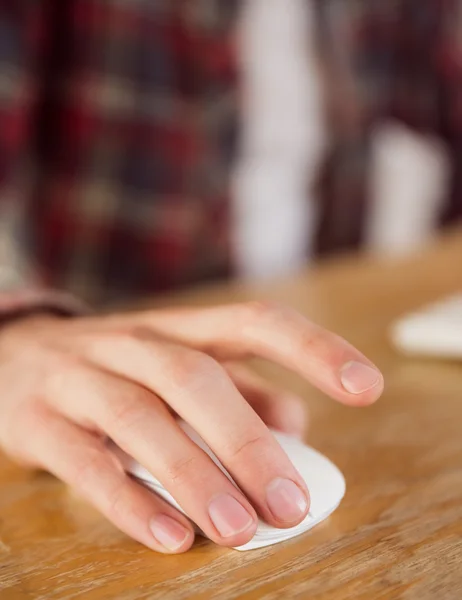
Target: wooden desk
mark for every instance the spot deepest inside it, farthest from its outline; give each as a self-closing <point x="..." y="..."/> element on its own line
<point x="398" y="533"/>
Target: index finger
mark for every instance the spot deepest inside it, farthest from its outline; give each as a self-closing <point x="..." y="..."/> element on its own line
<point x="276" y="333"/>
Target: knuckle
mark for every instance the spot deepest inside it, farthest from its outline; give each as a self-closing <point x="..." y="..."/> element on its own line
<point x="122" y="339"/>
<point x="136" y="333"/>
<point x="313" y="340"/>
<point x="262" y="310"/>
<point x="250" y="446"/>
<point x="195" y="369"/>
<point x="182" y="470"/>
<point x="88" y="468"/>
<point x="61" y="374"/>
<point x="125" y="339"/>
<point x="133" y="342"/>
<point x="127" y="413"/>
<point x="34" y="416"/>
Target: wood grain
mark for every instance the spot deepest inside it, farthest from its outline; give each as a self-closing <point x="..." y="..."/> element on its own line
<point x="398" y="533"/>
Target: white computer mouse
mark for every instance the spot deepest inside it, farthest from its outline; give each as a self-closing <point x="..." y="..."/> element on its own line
<point x="432" y="330"/>
<point x="324" y="480"/>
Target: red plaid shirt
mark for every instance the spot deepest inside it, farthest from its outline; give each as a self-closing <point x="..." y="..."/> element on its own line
<point x="118" y="125"/>
<point x="122" y="114"/>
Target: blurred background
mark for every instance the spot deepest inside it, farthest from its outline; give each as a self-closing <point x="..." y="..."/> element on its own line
<point x="153" y="145"/>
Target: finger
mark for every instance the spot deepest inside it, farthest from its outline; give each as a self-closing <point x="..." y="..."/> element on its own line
<point x="82" y="461"/>
<point x="279" y="409"/>
<point x="276" y="333"/>
<point x="202" y="393"/>
<point x="141" y="425"/>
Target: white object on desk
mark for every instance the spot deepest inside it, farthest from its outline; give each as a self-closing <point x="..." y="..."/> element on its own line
<point x="325" y="483"/>
<point x="434" y="330"/>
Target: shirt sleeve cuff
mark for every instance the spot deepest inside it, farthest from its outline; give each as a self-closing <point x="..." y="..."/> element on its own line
<point x="21" y="303"/>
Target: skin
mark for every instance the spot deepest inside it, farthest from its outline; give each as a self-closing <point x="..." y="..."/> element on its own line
<point x="68" y="385"/>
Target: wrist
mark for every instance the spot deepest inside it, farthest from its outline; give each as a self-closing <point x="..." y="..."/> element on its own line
<point x="17" y="333"/>
<point x="33" y="309"/>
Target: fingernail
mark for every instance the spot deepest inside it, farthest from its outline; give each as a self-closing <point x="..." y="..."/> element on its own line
<point x="358" y="378"/>
<point x="286" y="500"/>
<point x="168" y="532"/>
<point x="229" y="516"/>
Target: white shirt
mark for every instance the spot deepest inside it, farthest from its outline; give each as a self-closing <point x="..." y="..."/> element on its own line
<point x="283" y="138"/>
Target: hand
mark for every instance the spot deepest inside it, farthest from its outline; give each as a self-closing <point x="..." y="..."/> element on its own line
<point x="67" y="385"/>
